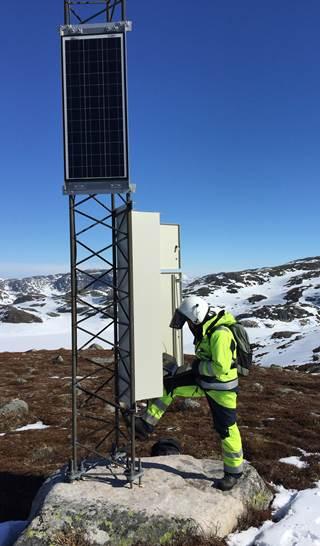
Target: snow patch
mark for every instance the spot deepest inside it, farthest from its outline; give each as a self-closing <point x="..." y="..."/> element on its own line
<point x="295" y="461"/>
<point x="34" y="426"/>
<point x="299" y="524"/>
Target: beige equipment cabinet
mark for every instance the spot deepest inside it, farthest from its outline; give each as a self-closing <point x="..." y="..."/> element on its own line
<point x="170" y="299"/>
<point x="145" y="229"/>
<point x="170" y="262"/>
<point x="155" y="293"/>
<point x="170" y="258"/>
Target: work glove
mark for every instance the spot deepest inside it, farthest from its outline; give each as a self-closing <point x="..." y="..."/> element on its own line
<point x="168" y="359"/>
<point x="169" y="364"/>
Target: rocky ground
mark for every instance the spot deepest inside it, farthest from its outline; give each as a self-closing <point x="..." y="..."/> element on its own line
<point x="279" y="410"/>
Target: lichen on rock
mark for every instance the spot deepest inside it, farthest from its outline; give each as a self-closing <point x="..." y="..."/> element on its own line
<point x="177" y="498"/>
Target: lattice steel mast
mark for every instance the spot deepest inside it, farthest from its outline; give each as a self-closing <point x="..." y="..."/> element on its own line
<point x="95" y="380"/>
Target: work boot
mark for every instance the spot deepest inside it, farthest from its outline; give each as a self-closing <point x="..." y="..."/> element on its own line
<point x="142" y="428"/>
<point x="227" y="482"/>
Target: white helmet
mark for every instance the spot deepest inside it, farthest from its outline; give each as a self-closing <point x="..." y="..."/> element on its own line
<point x="192" y="308"/>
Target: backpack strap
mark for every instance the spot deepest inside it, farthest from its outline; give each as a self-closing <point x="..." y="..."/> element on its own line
<point x="212" y="326"/>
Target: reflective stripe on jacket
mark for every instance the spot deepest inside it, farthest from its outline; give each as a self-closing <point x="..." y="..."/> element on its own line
<point x="217" y="355"/>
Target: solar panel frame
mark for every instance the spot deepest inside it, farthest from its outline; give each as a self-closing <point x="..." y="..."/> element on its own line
<point x="89" y="180"/>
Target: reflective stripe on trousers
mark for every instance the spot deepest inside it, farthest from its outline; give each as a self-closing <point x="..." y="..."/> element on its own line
<point x="223" y="409"/>
<point x="232" y="451"/>
<point x="217" y="385"/>
<point x="157" y="407"/>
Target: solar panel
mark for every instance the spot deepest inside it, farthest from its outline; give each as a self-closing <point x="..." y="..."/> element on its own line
<point x="95" y="116"/>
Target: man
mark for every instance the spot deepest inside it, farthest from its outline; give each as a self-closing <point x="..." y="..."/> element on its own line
<point x="213" y="374"/>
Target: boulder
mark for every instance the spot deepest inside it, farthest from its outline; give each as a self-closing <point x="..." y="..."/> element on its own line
<point x="21" y="381"/>
<point x="184" y="404"/>
<point x="58" y="359"/>
<point x="176" y="497"/>
<point x="13" y="414"/>
<point x="288" y="390"/>
<point x="101" y="360"/>
<point x="257" y="387"/>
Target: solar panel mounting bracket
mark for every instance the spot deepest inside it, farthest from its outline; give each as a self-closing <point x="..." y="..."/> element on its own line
<point x="96" y="28"/>
<point x="100" y="186"/>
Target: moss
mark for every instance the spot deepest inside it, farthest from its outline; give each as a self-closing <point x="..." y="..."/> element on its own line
<point x="167" y="538"/>
<point x="124" y="542"/>
<point x="105" y="525"/>
<point x="31" y="533"/>
<point x="261" y="500"/>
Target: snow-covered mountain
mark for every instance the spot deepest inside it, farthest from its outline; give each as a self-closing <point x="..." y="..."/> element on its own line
<point x="280" y="306"/>
<point x="35" y="311"/>
<point x="44" y="286"/>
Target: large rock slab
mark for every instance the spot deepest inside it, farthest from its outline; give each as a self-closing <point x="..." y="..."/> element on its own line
<point x="176" y="496"/>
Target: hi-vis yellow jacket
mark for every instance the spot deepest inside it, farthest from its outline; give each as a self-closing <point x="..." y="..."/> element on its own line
<point x="217" y="353"/>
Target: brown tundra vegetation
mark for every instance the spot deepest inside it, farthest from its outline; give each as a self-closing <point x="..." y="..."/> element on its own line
<point x="278" y="415"/>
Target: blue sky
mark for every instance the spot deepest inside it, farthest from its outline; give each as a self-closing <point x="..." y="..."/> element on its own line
<point x="224" y="130"/>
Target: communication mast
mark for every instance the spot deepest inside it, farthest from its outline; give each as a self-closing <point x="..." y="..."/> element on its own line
<point x="129" y="254"/>
<point x="97" y="181"/>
